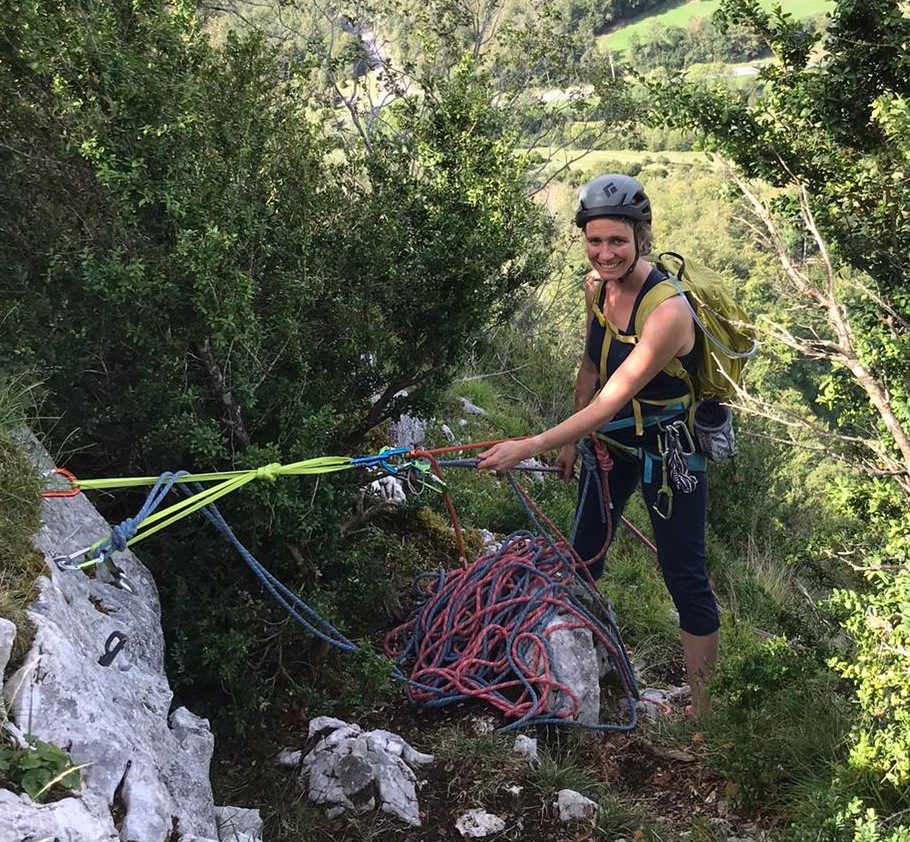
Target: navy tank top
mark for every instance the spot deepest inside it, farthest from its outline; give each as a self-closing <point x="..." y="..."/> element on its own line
<point x="663" y="387"/>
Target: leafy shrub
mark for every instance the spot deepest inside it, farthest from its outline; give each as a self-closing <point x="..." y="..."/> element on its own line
<point x="831" y="813"/>
<point x="776" y="719"/>
<point x="36" y="768"/>
<point x="879" y="667"/>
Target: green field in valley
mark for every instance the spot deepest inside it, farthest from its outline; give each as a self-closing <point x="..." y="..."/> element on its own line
<point x="680" y="13"/>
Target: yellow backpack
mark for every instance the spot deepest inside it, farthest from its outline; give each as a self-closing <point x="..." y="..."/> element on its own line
<point x="725" y="339"/>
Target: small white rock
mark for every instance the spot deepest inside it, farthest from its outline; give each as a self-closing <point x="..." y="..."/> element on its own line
<point x="289" y="757"/>
<point x="478" y="824"/>
<point x="325" y="723"/>
<point x="526" y="747"/>
<point x="573" y="806"/>
<point x="471" y="408"/>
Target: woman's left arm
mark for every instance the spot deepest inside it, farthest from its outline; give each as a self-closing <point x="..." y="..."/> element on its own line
<point x="667" y="333"/>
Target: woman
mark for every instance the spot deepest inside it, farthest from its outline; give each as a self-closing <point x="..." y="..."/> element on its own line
<point x="622" y="392"/>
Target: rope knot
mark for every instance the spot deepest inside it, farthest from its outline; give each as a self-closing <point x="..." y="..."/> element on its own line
<point x="123" y="532"/>
<point x="604" y="458"/>
<point x="269" y="472"/>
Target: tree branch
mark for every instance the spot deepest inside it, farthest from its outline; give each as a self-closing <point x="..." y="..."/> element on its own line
<point x="843" y="350"/>
<point x="233" y="418"/>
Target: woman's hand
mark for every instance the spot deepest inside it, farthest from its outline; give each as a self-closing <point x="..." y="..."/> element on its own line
<point x="566" y="462"/>
<point x="500" y="457"/>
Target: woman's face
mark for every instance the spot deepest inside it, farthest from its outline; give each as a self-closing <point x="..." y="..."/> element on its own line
<point x="610" y="246"/>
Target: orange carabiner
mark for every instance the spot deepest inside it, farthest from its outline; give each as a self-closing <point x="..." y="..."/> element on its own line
<point x="71" y="492"/>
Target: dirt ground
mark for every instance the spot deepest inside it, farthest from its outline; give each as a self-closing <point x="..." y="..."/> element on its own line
<point x="661" y="786"/>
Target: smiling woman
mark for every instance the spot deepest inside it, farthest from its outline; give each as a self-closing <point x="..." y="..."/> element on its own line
<point x="631" y="415"/>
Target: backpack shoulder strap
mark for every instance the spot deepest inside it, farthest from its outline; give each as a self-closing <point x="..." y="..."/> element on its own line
<point x="659" y="293"/>
<point x="668" y="288"/>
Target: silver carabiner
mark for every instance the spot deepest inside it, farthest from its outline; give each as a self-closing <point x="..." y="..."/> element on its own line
<point x="68" y="562"/>
<point x="682" y="439"/>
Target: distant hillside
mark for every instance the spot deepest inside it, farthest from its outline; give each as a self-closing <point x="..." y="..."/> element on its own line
<point x="680" y="14"/>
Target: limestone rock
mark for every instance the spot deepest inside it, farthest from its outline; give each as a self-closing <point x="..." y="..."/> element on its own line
<point x="470" y="408"/>
<point x="7" y="639"/>
<point x="408" y="431"/>
<point x="573" y="806"/>
<point x="574" y="663"/>
<point x="478" y="824"/>
<point x="356" y="770"/>
<point x="93" y="683"/>
<point x="68" y="820"/>
<point x="238" y="823"/>
<point x="526" y="747"/>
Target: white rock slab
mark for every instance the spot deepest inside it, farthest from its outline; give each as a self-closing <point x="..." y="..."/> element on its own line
<point x="575" y="664"/>
<point x="349" y="769"/>
<point x="478" y="824"/>
<point x="573" y="806"/>
<point x="69" y="820"/>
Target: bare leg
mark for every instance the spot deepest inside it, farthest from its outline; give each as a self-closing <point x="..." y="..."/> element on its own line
<point x="700" y="653"/>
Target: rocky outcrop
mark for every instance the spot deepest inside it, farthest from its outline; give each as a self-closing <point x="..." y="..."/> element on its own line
<point x="93" y="683"/>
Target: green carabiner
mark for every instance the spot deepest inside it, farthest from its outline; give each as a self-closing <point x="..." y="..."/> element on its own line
<point x="666" y="493"/>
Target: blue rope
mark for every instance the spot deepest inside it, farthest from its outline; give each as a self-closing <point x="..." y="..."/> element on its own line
<point x="124" y="531"/>
<point x="295" y="607"/>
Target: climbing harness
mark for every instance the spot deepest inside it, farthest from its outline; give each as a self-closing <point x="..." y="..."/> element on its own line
<point x="676" y="458"/>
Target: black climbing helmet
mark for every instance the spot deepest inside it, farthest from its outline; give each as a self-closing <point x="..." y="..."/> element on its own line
<point x="612" y="195"/>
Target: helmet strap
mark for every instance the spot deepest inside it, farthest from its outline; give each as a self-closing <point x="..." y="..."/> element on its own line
<point x="634" y="263"/>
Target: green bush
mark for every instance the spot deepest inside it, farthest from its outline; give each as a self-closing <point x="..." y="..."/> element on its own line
<point x="878" y="665"/>
<point x="776" y="720"/>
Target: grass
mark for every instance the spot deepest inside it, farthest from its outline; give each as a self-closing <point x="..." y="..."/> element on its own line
<point x="554" y="774"/>
<point x="20" y="563"/>
<point x="679" y="14"/>
<point x="778" y="722"/>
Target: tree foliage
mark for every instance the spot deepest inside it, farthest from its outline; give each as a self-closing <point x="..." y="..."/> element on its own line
<point x="210" y="268"/>
<point x="676" y="47"/>
<point x="827" y="126"/>
<point x="220" y="275"/>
